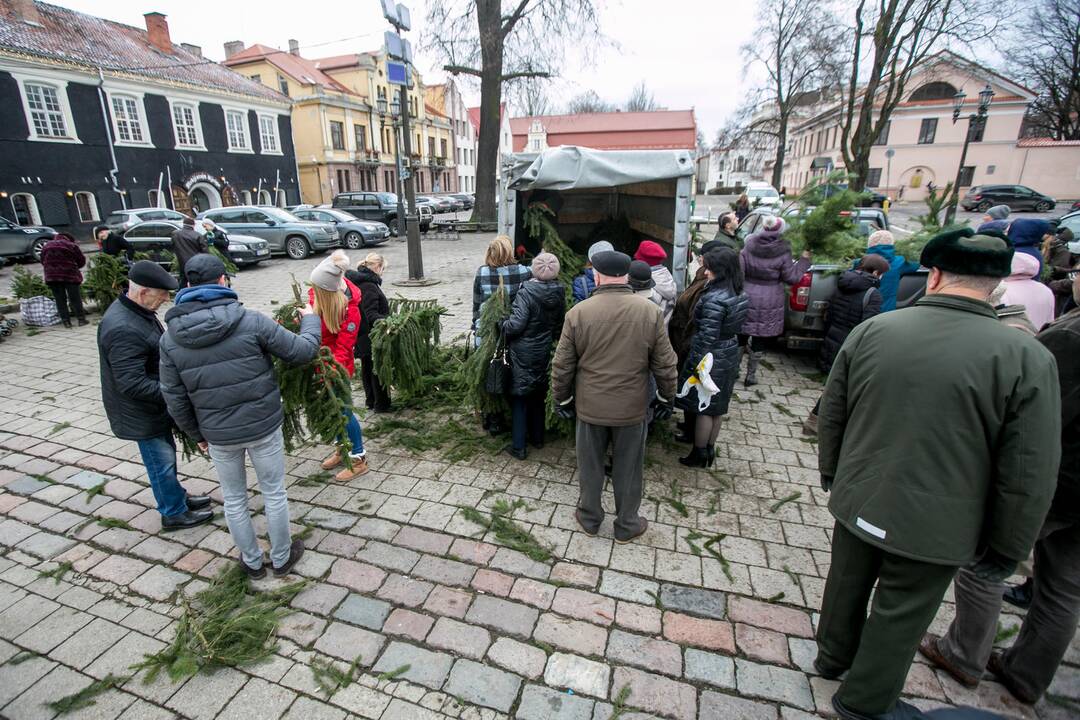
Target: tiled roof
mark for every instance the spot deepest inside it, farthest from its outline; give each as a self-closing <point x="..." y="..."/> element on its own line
<point x="658" y="130"/>
<point x="432" y="110"/>
<point x="75" y="38"/>
<point x="1046" y="142"/>
<point x="474" y="116"/>
<point x="337" y="62"/>
<point x="299" y="68"/>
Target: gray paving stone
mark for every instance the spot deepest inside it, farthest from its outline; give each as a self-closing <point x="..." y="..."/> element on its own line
<point x="517" y="563"/>
<point x="694" y="601"/>
<point x="574" y="635"/>
<point x="53" y="630"/>
<point x="581" y="675"/>
<point x="446" y="572"/>
<point x="13" y="532"/>
<point x="363" y="611"/>
<point x="425" y="667"/>
<point x="650" y="653"/>
<point x="60" y="682"/>
<point x="258" y="700"/>
<point x="119" y="657"/>
<point x="46" y="545"/>
<point x="656" y="694"/>
<point x="389" y="556"/>
<point x="527" y="660"/>
<point x="543" y="703"/>
<point x="14" y="679"/>
<point x="718" y="670"/>
<point x="483" y="685"/>
<point x="329" y="519"/>
<point x="362" y="701"/>
<point x="26" y="485"/>
<point x="717" y="705"/>
<point x="467" y="640"/>
<point x="320" y="598"/>
<point x="159" y="583"/>
<point x="508" y="617"/>
<point x="348" y="643"/>
<point x="628" y="587"/>
<point x="203" y="696"/>
<point x="774" y="683"/>
<point x="87" y="644"/>
<point x="307" y="709"/>
<point x="24" y="614"/>
<point x="87" y="479"/>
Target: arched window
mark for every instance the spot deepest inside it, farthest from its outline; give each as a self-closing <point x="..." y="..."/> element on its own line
<point x="281" y="201"/>
<point x="245" y="196"/>
<point x="154" y="199"/>
<point x="264" y="198"/>
<point x="936" y="90"/>
<point x="88" y="209"/>
<point x="26" y="209"/>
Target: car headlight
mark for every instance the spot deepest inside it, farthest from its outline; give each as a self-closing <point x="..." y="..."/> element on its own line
<point x="237" y="248"/>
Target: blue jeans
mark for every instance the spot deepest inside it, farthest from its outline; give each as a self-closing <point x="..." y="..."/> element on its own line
<point x="353" y="431"/>
<point x="159" y="457"/>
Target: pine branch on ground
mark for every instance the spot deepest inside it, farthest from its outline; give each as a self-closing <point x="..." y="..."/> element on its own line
<point x="506" y="530"/>
<point x="58" y="572"/>
<point x="88" y="695"/>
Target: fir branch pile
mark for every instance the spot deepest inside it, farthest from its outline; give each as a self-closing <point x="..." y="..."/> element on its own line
<point x="494" y="310"/>
<point x="26" y="285"/>
<point x="540" y="224"/>
<point x="403" y="344"/>
<point x="106" y="280"/>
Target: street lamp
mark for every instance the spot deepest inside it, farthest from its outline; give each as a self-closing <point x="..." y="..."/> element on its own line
<point x="976" y="123"/>
<point x="381" y="104"/>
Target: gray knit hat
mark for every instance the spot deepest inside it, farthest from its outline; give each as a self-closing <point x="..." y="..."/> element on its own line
<point x="999" y="212"/>
<point x="599" y="247"/>
<point x="328" y="275"/>
<point x="545" y="266"/>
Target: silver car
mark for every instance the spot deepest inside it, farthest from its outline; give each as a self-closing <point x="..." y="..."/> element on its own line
<point x="23" y="240"/>
<point x="285" y="232"/>
<point x="355" y="233"/>
<point x="156" y="236"/>
<point x="121" y="220"/>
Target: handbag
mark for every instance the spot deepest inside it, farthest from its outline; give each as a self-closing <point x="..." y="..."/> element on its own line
<point x="497" y="377"/>
<point x="39" y="311"/>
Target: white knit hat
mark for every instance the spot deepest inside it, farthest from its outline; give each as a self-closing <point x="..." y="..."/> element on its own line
<point x="330" y="274"/>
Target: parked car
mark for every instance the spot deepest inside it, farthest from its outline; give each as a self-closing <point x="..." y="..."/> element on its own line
<point x="762" y="194"/>
<point x="355" y="233"/>
<point x="1075" y="205"/>
<point x="866" y="220"/>
<point x="466" y="199"/>
<point x="440" y="204"/>
<point x="1017" y="197"/>
<point x="869" y="197"/>
<point x="378" y="206"/>
<point x="155" y="236"/>
<point x="121" y="220"/>
<point x="23" y="241"/>
<point x="285" y="232"/>
<point x="1071" y="220"/>
<point x="456" y="204"/>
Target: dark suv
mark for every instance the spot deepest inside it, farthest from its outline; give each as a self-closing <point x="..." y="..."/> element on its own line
<point x="378" y="206"/>
<point x="1017" y="197"/>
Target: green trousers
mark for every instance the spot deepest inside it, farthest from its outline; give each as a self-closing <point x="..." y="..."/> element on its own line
<point x="876" y="651"/>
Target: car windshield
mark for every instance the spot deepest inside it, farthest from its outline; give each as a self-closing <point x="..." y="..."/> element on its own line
<point x="762" y="192"/>
<point x="339" y="216"/>
<point x="279" y="214"/>
<point x="387" y="198"/>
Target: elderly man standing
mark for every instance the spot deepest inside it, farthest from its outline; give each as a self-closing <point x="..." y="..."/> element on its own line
<point x="1028" y="667"/>
<point x="187" y="242"/>
<point x="939" y="435"/>
<point x="611" y="345"/>
<point x="128" y="339"/>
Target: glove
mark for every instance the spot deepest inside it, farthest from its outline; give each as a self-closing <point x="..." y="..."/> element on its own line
<point x="662" y="409"/>
<point x="993" y="566"/>
<point x="565" y="410"/>
<point x="826" y="482"/>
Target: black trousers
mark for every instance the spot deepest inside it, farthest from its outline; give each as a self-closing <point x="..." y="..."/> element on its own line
<point x="68" y="300"/>
<point x="376" y="395"/>
<point x="877" y="651"/>
<point x="527" y="414"/>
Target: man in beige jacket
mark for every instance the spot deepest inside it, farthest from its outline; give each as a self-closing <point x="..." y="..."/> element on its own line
<point x="612" y="345"/>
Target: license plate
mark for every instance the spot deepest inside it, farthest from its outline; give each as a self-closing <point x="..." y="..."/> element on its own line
<point x="386" y="234"/>
<point x="264" y="251"/>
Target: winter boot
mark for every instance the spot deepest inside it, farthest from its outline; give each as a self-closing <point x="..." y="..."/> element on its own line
<point x="751" y="367"/>
<point x="359" y="467"/>
<point x="333" y="461"/>
<point x="712" y="456"/>
<point x="698" y="457"/>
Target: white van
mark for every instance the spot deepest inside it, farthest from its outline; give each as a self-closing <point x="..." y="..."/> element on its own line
<point x="762" y="194"/>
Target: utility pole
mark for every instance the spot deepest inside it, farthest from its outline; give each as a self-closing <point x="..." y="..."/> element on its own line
<point x="400" y="74"/>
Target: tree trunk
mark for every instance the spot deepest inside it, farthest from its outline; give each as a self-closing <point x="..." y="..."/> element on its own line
<point x="489" y="19"/>
<point x="781" y="151"/>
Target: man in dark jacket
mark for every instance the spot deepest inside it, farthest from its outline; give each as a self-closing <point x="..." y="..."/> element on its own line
<point x="218" y="379"/>
<point x="1028" y="667"/>
<point x="977" y="407"/>
<point x="113" y="243"/>
<point x="611" y="344"/>
<point x="128" y="350"/>
<point x="187" y="243"/>
<point x="726" y="236"/>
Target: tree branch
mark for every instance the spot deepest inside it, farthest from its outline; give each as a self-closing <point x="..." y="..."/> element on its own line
<point x="526" y="74"/>
<point x="462" y="70"/>
<point x="512" y="19"/>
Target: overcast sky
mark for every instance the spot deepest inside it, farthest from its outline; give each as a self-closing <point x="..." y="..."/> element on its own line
<point x="686" y="52"/>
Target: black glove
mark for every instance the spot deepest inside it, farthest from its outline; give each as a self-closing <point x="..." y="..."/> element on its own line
<point x="826" y="482"/>
<point x="565" y="410"/>
<point x="662" y="409"/>
<point x="993" y="566"/>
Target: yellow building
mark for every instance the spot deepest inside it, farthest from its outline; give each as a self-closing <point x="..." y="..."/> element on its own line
<point x="344" y="126"/>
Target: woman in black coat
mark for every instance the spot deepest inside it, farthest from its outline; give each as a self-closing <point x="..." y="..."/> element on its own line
<point x="373" y="307"/>
<point x="718" y="317"/>
<point x="535" y="323"/>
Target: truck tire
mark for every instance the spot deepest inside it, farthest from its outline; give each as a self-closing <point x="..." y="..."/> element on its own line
<point x="297" y="247"/>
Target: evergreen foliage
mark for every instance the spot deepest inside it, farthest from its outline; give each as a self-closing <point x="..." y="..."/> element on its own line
<point x="507" y="532"/>
<point x="494" y="310"/>
<point x="827" y="233"/>
<point x="403" y="344"/>
<point x="911" y="246"/>
<point x="105" y="280"/>
<point x="225" y="625"/>
<point x="25" y="284"/>
<point x="539" y="223"/>
<point x="87" y="696"/>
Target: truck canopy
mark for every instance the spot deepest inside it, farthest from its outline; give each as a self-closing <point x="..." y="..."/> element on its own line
<point x="624" y="196"/>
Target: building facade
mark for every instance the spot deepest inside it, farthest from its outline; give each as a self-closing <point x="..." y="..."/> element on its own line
<point x="921" y="145"/>
<point x="506" y="138"/>
<point x="447" y="100"/>
<point x="346" y="126"/>
<point x="97" y="116"/>
<point x="657" y="130"/>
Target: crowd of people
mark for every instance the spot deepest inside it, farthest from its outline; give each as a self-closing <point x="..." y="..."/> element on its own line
<point x="986" y="473"/>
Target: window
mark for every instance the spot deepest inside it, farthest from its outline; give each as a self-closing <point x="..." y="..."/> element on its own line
<point x="245" y="197"/>
<point x="264" y="197"/>
<point x="360" y="135"/>
<point x="257" y="78"/>
<point x="344" y="181"/>
<point x="337" y="135"/>
<point x="934" y="91"/>
<point x="268" y="134"/>
<point x="126" y="119"/>
<point x="976" y="129"/>
<point x="26" y="209"/>
<point x="283" y="84"/>
<point x="154" y="198"/>
<point x="442" y="148"/>
<point x="236" y="125"/>
<point x="927" y="131"/>
<point x="88" y="209"/>
<point x="47" y="116"/>
<point x="967" y="174"/>
<point x="186" y="125"/>
<point x="873" y="177"/>
<point x="536" y="144"/>
<point x="883" y="136"/>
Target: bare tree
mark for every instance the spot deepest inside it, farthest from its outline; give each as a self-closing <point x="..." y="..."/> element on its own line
<point x="498" y="41"/>
<point x="795" y="41"/>
<point x="891" y="40"/>
<point x="529" y="97"/>
<point x="588" y="102"/>
<point x="1045" y="55"/>
<point x="641" y="100"/>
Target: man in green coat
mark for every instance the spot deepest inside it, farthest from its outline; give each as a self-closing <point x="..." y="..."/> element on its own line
<point x="939" y="437"/>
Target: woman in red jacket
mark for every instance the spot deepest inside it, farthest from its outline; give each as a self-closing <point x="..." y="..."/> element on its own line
<point x="337" y="302"/>
<point x="61" y="259"/>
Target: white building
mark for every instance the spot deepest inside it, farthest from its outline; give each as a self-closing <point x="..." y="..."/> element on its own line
<point x="448" y="100"/>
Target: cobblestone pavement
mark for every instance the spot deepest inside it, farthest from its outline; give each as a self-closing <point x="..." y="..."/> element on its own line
<point x="399" y="577"/>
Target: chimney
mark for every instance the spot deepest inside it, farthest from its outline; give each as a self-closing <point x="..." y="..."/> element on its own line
<point x="232" y="47"/>
<point x="158" y="31"/>
<point x="294" y="48"/>
<point x="193" y="49"/>
<point x="24" y="10"/>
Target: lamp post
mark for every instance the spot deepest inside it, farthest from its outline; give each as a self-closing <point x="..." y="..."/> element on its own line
<point x="976" y="122"/>
<point x="394" y="109"/>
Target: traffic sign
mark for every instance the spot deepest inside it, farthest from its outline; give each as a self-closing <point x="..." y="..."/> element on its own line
<point x="396" y="74"/>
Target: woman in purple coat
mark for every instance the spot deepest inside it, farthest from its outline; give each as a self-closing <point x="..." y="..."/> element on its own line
<point x="768" y="267"/>
<point x="61" y="259"/>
